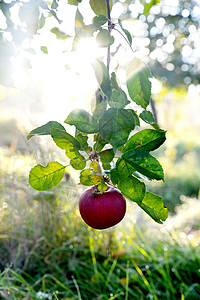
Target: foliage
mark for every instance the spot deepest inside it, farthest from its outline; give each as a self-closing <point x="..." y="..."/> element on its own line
<point x="111" y="123"/>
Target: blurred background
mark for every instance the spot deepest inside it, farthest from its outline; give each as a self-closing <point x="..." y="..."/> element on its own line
<point x="46" y="251"/>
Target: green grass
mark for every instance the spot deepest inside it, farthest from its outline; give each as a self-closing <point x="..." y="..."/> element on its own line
<point x="47" y="252"/>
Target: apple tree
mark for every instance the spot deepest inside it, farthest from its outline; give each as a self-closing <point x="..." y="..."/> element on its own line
<point x="120" y="154"/>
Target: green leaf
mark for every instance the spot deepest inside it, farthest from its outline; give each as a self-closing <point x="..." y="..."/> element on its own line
<point x="131" y="188"/>
<point x="44" y="178"/>
<point x="119" y="99"/>
<point x="135" y="116"/>
<point x="127" y="33"/>
<point x="100" y="108"/>
<point x="99" y="7"/>
<point x="153" y="205"/>
<point x="102" y="187"/>
<point x="44" y="49"/>
<point x="138" y="84"/>
<point x="54" y="4"/>
<point x="146" y="140"/>
<point x="106" y="156"/>
<point x="114" y="176"/>
<point x="78" y="163"/>
<point x="104" y="39"/>
<point x="144" y="163"/>
<point x="100" y="143"/>
<point x="72" y="153"/>
<point x="79" y="24"/>
<point x="103" y="77"/>
<point x="124" y="169"/>
<point x="60" y="34"/>
<point x="83" y="121"/>
<point x="115" y="126"/>
<point x="74" y="2"/>
<point x="106" y="166"/>
<point x="64" y="140"/>
<point x="147" y="117"/>
<point x="84" y="177"/>
<point x="45" y="129"/>
<point x="99" y="20"/>
<point x="83" y="140"/>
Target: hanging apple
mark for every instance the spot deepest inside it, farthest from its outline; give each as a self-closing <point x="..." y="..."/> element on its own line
<point x="101" y="211"/>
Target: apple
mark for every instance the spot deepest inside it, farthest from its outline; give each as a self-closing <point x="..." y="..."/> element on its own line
<point x="101" y="211"/>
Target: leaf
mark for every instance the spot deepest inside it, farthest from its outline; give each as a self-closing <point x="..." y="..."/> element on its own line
<point x="146" y="140"/>
<point x="44" y="178"/>
<point x="119" y="99"/>
<point x="104" y="39"/>
<point x="45" y="129"/>
<point x="106" y="156"/>
<point x="135" y="116"/>
<point x="124" y="169"/>
<point x="127" y="33"/>
<point x="103" y="77"/>
<point x="138" y="84"/>
<point x="106" y="166"/>
<point x="79" y="24"/>
<point x="131" y="188"/>
<point x="114" y="176"/>
<point x="54" y="4"/>
<point x="99" y="20"/>
<point x="44" y="49"/>
<point x="100" y="108"/>
<point x="83" y="140"/>
<point x="102" y="186"/>
<point x="99" y="7"/>
<point x="74" y="2"/>
<point x="96" y="179"/>
<point x="115" y="126"/>
<point x="82" y="120"/>
<point x="60" y="34"/>
<point x="94" y="166"/>
<point x="144" y="163"/>
<point x="147" y="117"/>
<point x="153" y="205"/>
<point x="64" y="140"/>
<point x="84" y="177"/>
<point x="78" y="163"/>
<point x="100" y="143"/>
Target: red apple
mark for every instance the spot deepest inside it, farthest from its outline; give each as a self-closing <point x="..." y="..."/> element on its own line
<point x="104" y="210"/>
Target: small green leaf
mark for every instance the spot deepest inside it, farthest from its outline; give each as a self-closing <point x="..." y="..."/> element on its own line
<point x="78" y="163"/>
<point x="83" y="121"/>
<point x="138" y="84"/>
<point x="153" y="205"/>
<point x="114" y="176"/>
<point x="146" y="140"/>
<point x="79" y="24"/>
<point x="104" y="39"/>
<point x="147" y="117"/>
<point x="135" y="116"/>
<point x="45" y="129"/>
<point x="127" y="33"/>
<point x="99" y="20"/>
<point x="115" y="126"/>
<point x="144" y="163"/>
<point x="72" y="153"/>
<point x="44" y="178"/>
<point x="44" y="49"/>
<point x="83" y="141"/>
<point x="103" y="77"/>
<point x="74" y="2"/>
<point x="99" y="143"/>
<point x="64" y="140"/>
<point x="131" y="188"/>
<point x="102" y="187"/>
<point x="124" y="169"/>
<point x="60" y="34"/>
<point x="106" y="156"/>
<point x="119" y="99"/>
<point x="85" y="177"/>
<point x="106" y="166"/>
<point x="99" y="7"/>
